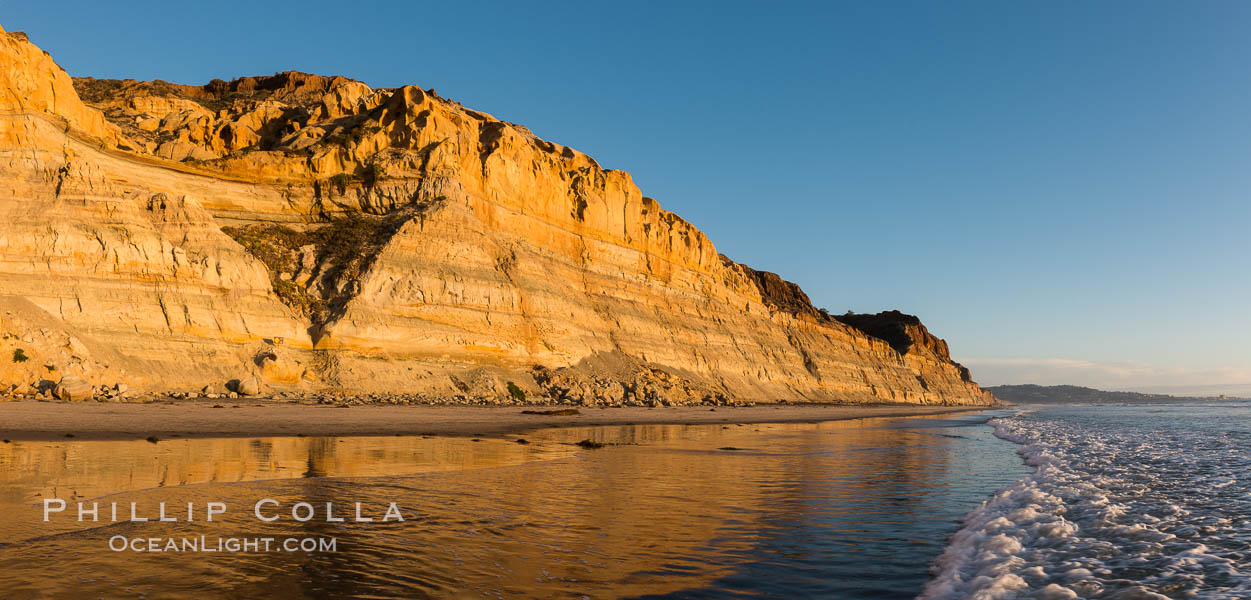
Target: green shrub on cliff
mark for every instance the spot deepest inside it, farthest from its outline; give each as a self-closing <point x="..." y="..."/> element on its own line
<point x="340" y="183"/>
<point x="373" y="173"/>
<point x="517" y="393"/>
<point x="298" y="298"/>
<point x="19" y="356"/>
<point x="343" y="250"/>
<point x="273" y="245"/>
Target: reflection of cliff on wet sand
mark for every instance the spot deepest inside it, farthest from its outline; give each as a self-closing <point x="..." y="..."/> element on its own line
<point x="77" y="470"/>
<point x="667" y="512"/>
<point x="93" y="469"/>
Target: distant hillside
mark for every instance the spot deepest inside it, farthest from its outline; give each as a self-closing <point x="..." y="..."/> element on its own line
<point x="1072" y="394"/>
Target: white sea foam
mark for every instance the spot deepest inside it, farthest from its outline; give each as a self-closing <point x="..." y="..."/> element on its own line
<point x="1118" y="510"/>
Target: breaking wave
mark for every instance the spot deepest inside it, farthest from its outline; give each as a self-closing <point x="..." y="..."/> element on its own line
<point x="1124" y="504"/>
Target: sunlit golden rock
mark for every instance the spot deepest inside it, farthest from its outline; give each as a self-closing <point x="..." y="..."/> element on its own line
<point x="395" y="241"/>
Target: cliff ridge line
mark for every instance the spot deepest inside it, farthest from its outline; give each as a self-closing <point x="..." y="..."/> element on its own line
<point x="314" y="235"/>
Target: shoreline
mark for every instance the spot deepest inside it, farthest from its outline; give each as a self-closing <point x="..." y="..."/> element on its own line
<point x="52" y="421"/>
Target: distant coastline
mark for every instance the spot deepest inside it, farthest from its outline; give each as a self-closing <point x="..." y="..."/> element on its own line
<point x="1073" y="394"/>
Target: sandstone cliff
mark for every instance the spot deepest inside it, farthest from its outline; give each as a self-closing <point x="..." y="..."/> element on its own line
<point x="317" y="234"/>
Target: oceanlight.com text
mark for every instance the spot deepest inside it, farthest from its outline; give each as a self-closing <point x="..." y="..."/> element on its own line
<point x="121" y="543"/>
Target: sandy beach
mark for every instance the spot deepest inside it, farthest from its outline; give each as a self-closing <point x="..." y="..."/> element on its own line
<point x="32" y="421"/>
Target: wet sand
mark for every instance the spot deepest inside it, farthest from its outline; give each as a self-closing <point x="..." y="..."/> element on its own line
<point x="32" y="421"/>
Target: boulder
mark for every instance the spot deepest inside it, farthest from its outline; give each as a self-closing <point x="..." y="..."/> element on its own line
<point x="248" y="386"/>
<point x="73" y="389"/>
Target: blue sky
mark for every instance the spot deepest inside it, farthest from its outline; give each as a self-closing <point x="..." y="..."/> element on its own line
<point x="1059" y="189"/>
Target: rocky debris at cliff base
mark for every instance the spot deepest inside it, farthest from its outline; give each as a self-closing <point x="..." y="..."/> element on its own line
<point x="37" y="351"/>
<point x="615" y="379"/>
<point x="346" y="400"/>
<point x="112" y="393"/>
<point x="600" y="392"/>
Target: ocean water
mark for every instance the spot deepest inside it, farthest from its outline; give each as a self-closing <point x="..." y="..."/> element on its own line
<point x="850" y="509"/>
<point x="1126" y="502"/>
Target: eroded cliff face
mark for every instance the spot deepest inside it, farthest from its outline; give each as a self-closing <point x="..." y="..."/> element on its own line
<point x="322" y="235"/>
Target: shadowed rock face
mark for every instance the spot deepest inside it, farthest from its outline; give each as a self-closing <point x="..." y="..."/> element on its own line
<point x="781" y="294"/>
<point x="388" y="240"/>
<point x="893" y="327"/>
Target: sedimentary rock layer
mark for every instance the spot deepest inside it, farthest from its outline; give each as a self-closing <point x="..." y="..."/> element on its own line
<point x="322" y="235"/>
